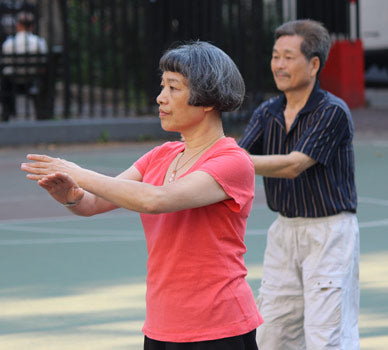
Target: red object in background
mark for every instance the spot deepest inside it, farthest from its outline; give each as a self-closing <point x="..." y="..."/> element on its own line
<point x="343" y="73"/>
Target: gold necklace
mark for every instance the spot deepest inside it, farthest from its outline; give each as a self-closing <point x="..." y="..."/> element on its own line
<point x="176" y="169"/>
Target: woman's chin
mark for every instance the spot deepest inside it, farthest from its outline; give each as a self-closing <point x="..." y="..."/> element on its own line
<point x="166" y="127"/>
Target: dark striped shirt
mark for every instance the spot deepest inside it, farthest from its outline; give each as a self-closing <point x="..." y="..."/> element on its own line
<point x="324" y="131"/>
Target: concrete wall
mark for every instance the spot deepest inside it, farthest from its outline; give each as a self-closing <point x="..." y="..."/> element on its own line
<point x="82" y="131"/>
<point x="17" y="133"/>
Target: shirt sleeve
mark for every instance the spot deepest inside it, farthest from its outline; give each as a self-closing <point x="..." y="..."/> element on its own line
<point x="322" y="139"/>
<point x="234" y="171"/>
<point x="143" y="162"/>
<point x="252" y="138"/>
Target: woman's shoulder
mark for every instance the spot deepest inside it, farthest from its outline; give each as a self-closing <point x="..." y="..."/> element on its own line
<point x="161" y="154"/>
<point x="228" y="147"/>
<point x="229" y="144"/>
<point x="167" y="147"/>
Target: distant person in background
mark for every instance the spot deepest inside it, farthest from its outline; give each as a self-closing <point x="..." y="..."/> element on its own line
<point x="24" y="41"/>
<point x="302" y="143"/>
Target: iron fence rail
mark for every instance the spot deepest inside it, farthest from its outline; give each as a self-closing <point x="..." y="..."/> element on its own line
<point x="114" y="48"/>
<point x="109" y="49"/>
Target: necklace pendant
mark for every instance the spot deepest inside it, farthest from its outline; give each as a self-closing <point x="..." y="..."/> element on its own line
<point x="172" y="177"/>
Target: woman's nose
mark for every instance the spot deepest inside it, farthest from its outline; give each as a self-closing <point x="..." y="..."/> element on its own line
<point x="160" y="99"/>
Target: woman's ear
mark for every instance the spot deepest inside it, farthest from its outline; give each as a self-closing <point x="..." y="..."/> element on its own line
<point x="208" y="108"/>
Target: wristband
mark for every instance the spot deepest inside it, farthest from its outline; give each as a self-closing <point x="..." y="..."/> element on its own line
<point x="70" y="204"/>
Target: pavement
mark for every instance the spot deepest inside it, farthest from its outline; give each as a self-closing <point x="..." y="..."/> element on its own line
<point x="79" y="283"/>
<point x="371" y="123"/>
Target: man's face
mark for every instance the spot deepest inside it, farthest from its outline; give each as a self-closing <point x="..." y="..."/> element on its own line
<point x="290" y="68"/>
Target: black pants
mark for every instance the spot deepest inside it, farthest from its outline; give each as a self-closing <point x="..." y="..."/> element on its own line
<point x="7" y="98"/>
<point x="240" y="342"/>
<point x="35" y="88"/>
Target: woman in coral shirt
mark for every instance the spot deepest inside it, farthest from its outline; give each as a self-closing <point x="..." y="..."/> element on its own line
<point x="194" y="198"/>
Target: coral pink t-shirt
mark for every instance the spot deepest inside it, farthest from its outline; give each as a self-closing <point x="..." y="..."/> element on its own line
<point x="196" y="287"/>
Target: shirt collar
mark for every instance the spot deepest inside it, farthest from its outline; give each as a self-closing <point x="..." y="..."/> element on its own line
<point x="315" y="97"/>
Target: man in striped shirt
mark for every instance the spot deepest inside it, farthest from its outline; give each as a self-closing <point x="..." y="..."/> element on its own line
<point x="301" y="143"/>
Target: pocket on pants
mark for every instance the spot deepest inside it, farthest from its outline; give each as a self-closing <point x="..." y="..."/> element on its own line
<point x="323" y="302"/>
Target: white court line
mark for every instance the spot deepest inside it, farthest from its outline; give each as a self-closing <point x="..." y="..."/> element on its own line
<point x="131" y="214"/>
<point x="258" y="232"/>
<point x="139" y="236"/>
<point x="365" y="224"/>
<point x="66" y="218"/>
<point x="14" y="242"/>
<point x="374" y="223"/>
<point x="124" y="235"/>
<point x="71" y="231"/>
<point x="369" y="200"/>
<point x="128" y="238"/>
<point x="81" y="231"/>
<point x="378" y="143"/>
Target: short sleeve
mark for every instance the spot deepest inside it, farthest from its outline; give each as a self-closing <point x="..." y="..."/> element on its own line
<point x="253" y="135"/>
<point x="234" y="171"/>
<point x="322" y="139"/>
<point x="142" y="163"/>
<point x="155" y="159"/>
<point x="154" y="164"/>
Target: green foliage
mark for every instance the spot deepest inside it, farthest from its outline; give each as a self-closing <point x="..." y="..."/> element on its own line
<point x="115" y="45"/>
<point x="104" y="137"/>
<point x="144" y="138"/>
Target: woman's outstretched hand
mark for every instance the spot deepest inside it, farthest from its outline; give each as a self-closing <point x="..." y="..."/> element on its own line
<point x="54" y="175"/>
<point x="42" y="165"/>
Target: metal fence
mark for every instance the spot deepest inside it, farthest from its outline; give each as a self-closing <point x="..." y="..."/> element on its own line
<point x="109" y="49"/>
<point x="114" y="47"/>
<point x="335" y="14"/>
<point x="104" y="53"/>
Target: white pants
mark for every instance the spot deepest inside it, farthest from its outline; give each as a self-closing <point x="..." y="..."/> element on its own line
<point x="309" y="294"/>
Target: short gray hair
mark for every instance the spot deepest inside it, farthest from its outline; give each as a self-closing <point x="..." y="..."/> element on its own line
<point x="316" y="38"/>
<point x="214" y="79"/>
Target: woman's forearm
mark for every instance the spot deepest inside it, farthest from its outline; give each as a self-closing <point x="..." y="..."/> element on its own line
<point x="129" y="194"/>
<point x="90" y="205"/>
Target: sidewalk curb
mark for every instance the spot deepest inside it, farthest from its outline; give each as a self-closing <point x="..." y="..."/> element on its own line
<point x="95" y="130"/>
<point x="82" y="131"/>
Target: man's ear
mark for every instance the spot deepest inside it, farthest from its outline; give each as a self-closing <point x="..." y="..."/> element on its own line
<point x="315" y="64"/>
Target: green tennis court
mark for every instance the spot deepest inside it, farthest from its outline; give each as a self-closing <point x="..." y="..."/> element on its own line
<point x="79" y="283"/>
